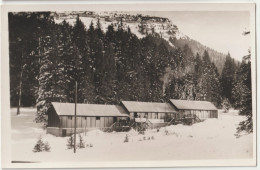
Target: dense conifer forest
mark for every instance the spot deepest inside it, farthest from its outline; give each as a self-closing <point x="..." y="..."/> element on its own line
<point x="46" y="59"/>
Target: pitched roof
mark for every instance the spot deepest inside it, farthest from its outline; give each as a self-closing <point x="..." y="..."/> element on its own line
<point x="133" y="106"/>
<point x="68" y="109"/>
<point x="192" y="105"/>
<point x="121" y="109"/>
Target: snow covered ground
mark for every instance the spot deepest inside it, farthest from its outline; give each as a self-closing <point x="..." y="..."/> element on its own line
<point x="211" y="139"/>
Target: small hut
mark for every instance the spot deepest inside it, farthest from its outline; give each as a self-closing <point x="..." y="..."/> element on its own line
<point x="202" y="109"/>
<point x="61" y="120"/>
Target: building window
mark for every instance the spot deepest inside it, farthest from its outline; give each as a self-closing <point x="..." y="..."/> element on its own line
<point x="98" y="118"/>
<point x="85" y="118"/>
<point x="70" y="117"/>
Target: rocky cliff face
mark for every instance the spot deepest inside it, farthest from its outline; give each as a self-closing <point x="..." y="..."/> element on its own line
<point x="142" y="25"/>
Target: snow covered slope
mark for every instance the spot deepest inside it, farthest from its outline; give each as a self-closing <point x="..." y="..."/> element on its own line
<point x="211" y="139"/>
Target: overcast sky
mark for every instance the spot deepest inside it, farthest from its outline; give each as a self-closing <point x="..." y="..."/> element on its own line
<point x="221" y="30"/>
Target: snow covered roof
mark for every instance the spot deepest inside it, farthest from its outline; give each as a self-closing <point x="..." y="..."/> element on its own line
<point x="133" y="106"/>
<point x="192" y="105"/>
<point x="68" y="109"/>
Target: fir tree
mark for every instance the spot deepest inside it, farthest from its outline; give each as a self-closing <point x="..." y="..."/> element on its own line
<point x="107" y="84"/>
<point x="39" y="147"/>
<point x="70" y="142"/>
<point x="242" y="93"/>
<point x="81" y="143"/>
<point x="51" y="75"/>
<point x="126" y="138"/>
<point x="227" y="78"/>
<point x="110" y="34"/>
<point x="98" y="30"/>
<point x="208" y="85"/>
<point x="25" y="32"/>
<point x="226" y="105"/>
<point x="83" y="63"/>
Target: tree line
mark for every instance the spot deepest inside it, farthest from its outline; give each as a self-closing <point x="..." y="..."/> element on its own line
<point x="46" y="59"/>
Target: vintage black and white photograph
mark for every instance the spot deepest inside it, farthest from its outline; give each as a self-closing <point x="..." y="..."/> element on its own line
<point x="131" y="85"/>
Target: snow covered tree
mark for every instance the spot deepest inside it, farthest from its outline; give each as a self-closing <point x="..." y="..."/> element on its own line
<point x="39" y="147"/>
<point x="242" y="93"/>
<point x="226" y="105"/>
<point x="98" y="30"/>
<point x="25" y="31"/>
<point x="47" y="147"/>
<point x="70" y="142"/>
<point x="227" y="78"/>
<point x="107" y="77"/>
<point x="83" y="65"/>
<point x="51" y="76"/>
<point x="81" y="143"/>
<point x="110" y="34"/>
<point x="208" y="85"/>
<point x="142" y="28"/>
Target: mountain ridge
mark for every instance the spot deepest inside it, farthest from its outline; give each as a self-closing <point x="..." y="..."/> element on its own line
<point x="141" y="26"/>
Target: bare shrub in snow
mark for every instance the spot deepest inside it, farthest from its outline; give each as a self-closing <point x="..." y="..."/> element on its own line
<point x="89" y="145"/>
<point x="166" y="132"/>
<point x="141" y="132"/>
<point x="141" y="128"/>
<point x="81" y="143"/>
<point x="226" y="105"/>
<point x="152" y="138"/>
<point x="47" y="147"/>
<point x="126" y="138"/>
<point x="70" y="143"/>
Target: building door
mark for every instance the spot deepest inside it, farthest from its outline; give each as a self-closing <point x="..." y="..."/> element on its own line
<point x="98" y="122"/>
<point x="114" y="119"/>
<point x="135" y="114"/>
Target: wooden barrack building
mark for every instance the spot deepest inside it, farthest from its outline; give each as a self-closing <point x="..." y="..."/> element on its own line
<point x="89" y="116"/>
<point x="149" y="110"/>
<point x="202" y="109"/>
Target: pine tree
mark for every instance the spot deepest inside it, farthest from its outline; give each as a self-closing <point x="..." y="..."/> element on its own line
<point x="208" y="85"/>
<point x="98" y="30"/>
<point x="25" y="30"/>
<point x="79" y="35"/>
<point x="81" y="143"/>
<point x="67" y="54"/>
<point x="227" y="78"/>
<point x="110" y="34"/>
<point x="83" y="65"/>
<point x="242" y="93"/>
<point x="226" y="105"/>
<point x="70" y="142"/>
<point x="107" y="82"/>
<point x="39" y="147"/>
<point x="51" y="76"/>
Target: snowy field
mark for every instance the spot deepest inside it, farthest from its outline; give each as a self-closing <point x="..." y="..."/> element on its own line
<point x="211" y="139"/>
